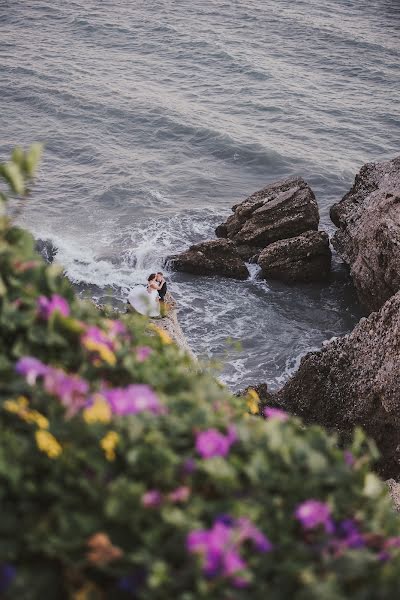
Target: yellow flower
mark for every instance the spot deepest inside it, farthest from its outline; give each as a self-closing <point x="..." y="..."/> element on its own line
<point x="20" y="408"/>
<point x="253" y="401"/>
<point x="109" y="443"/>
<point x="102" y="350"/>
<point x="99" y="412"/>
<point x="40" y="420"/>
<point x="47" y="443"/>
<point x="16" y="406"/>
<point x="162" y="334"/>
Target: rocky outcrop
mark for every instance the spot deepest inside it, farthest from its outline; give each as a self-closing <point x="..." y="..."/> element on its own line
<point x="215" y="257"/>
<point x="304" y="258"/>
<point x="355" y="380"/>
<point x="368" y="239"/>
<point x="281" y="210"/>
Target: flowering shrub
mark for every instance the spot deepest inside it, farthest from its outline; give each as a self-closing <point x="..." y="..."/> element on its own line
<point x="127" y="473"/>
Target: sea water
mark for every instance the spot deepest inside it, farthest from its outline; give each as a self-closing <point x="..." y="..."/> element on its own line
<point x="158" y="116"/>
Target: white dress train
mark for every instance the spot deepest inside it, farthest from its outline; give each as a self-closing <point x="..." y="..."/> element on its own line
<point x="145" y="301"/>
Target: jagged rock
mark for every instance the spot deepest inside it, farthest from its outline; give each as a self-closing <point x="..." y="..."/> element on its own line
<point x="214" y="257"/>
<point x="355" y="380"/>
<point x="306" y="257"/>
<point x="368" y="238"/>
<point x="47" y="249"/>
<point x="248" y="253"/>
<point x="281" y="210"/>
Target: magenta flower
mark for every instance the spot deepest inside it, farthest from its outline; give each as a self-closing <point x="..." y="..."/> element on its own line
<point x="248" y="531"/>
<point x="115" y="327"/>
<point x="232" y="565"/>
<point x="143" y="353"/>
<point x="151" y="499"/>
<point x="348" y="458"/>
<point x="275" y="413"/>
<point x="70" y="389"/>
<point x="181" y="494"/>
<point x="97" y="336"/>
<point x="31" y="368"/>
<point x="313" y="513"/>
<point x="134" y="399"/>
<point x="189" y="466"/>
<point x="212" y="443"/>
<point x="220" y="546"/>
<point x="47" y="306"/>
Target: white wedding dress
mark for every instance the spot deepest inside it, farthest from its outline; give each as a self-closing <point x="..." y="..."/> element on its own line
<point x="145" y="301"/>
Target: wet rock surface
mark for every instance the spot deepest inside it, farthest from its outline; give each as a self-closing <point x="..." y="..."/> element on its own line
<point x="304" y="258"/>
<point x="368" y="238"/>
<point x="214" y="257"/>
<point x="281" y="210"/>
<point x="355" y="380"/>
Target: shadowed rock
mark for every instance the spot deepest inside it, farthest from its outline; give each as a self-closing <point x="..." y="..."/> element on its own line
<point x="355" y="380"/>
<point x="304" y="258"/>
<point x="215" y="257"/>
<point x="281" y="210"/>
<point x="368" y="239"/>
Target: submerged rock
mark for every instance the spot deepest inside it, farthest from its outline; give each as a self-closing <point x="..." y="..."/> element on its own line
<point x="355" y="380"/>
<point x="47" y="249"/>
<point x="368" y="239"/>
<point x="304" y="258"/>
<point x="281" y="210"/>
<point x="214" y="257"/>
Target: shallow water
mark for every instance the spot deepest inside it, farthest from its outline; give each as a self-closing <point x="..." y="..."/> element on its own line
<point x="157" y="117"/>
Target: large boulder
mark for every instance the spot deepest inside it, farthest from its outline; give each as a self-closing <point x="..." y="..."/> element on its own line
<point x="214" y="257"/>
<point x="281" y="210"/>
<point x="355" y="380"/>
<point x="304" y="258"/>
<point x="368" y="239"/>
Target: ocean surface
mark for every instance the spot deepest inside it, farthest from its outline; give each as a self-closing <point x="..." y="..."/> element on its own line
<point x="158" y="116"/>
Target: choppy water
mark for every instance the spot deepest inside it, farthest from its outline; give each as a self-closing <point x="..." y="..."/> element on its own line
<point x="159" y="115"/>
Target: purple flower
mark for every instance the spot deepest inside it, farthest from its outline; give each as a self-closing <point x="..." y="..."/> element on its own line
<point x="232" y="564"/>
<point x="352" y="537"/>
<point x="7" y="575"/>
<point x="70" y="389"/>
<point x="97" y="336"/>
<point x="212" y="443"/>
<point x="189" y="466"/>
<point x="181" y="494"/>
<point x="219" y="547"/>
<point x="393" y="542"/>
<point x="275" y="413"/>
<point x="151" y="499"/>
<point x="313" y="513"/>
<point x="31" y="368"/>
<point x="348" y="458"/>
<point x="134" y="399"/>
<point x="248" y="531"/>
<point x="47" y="306"/>
<point x="143" y="353"/>
<point x="115" y="327"/>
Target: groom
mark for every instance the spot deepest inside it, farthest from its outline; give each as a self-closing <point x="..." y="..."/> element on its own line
<point x="162" y="287"/>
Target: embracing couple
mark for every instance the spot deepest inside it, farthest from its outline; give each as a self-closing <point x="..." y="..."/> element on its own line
<point x="150" y="302"/>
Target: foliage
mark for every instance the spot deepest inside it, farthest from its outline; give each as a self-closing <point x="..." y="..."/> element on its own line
<point x="126" y="473"/>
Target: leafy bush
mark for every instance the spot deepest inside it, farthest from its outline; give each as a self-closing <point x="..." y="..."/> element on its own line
<point x="127" y="473"/>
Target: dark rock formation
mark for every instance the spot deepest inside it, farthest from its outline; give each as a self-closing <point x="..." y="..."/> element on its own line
<point x="281" y="210"/>
<point x="47" y="249"/>
<point x="368" y="238"/>
<point x="304" y="258"/>
<point x="215" y="257"/>
<point x="355" y="380"/>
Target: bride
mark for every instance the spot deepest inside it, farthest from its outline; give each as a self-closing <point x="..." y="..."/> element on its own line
<point x="146" y="301"/>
